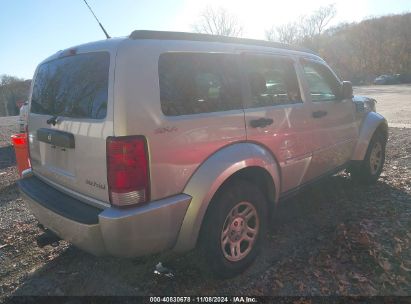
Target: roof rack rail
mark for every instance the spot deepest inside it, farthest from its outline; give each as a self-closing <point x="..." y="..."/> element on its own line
<point x="164" y="35"/>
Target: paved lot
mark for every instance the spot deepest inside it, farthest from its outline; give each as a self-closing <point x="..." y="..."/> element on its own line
<point x="393" y="102"/>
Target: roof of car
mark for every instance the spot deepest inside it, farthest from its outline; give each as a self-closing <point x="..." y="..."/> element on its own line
<point x="165" y="35"/>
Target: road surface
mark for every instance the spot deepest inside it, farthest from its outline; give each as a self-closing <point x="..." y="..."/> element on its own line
<point x="393" y="102"/>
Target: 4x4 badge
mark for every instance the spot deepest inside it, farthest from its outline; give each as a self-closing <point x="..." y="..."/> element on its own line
<point x="49" y="137"/>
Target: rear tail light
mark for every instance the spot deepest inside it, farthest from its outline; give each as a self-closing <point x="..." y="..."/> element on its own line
<point x="127" y="170"/>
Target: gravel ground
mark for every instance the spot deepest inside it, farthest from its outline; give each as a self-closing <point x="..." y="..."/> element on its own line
<point x="335" y="238"/>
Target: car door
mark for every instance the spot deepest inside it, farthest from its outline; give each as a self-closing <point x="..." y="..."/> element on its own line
<point x="201" y="103"/>
<point x="332" y="127"/>
<point x="275" y="114"/>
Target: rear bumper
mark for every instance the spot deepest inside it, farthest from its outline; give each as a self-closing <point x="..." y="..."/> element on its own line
<point x="129" y="232"/>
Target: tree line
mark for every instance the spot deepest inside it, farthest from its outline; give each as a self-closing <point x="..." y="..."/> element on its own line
<point x="13" y="91"/>
<point x="356" y="51"/>
<point x="362" y="51"/>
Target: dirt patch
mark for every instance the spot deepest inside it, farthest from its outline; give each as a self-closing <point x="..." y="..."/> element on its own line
<point x="335" y="238"/>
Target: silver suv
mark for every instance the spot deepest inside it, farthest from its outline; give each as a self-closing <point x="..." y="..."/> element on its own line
<point x="164" y="141"/>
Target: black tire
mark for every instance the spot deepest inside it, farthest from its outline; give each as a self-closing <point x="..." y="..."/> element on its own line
<point x="368" y="171"/>
<point x="235" y="196"/>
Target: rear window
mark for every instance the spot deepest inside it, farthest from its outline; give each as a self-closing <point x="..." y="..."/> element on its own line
<point x="73" y="86"/>
<point x="192" y="83"/>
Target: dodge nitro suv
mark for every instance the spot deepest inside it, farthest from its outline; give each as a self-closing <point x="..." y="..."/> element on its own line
<point x="170" y="141"/>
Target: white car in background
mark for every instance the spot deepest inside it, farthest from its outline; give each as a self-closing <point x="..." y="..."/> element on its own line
<point x="23" y="116"/>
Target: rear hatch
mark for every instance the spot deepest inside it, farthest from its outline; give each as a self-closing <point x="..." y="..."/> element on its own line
<point x="70" y="118"/>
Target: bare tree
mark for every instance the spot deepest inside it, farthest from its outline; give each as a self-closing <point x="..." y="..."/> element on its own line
<point x="287" y="33"/>
<point x="306" y="31"/>
<point x="271" y="34"/>
<point x="316" y="24"/>
<point x="218" y="22"/>
<point x="322" y="17"/>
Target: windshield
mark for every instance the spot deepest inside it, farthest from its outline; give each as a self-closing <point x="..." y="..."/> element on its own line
<point x="74" y="86"/>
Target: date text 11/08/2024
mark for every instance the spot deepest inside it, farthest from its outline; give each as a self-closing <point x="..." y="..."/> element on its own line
<point x="201" y="299"/>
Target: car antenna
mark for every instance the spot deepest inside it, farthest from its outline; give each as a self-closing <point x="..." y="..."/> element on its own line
<point x="102" y="27"/>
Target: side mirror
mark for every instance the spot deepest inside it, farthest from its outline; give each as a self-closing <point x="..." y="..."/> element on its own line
<point x="346" y="90"/>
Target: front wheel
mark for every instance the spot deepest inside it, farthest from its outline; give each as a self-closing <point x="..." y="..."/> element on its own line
<point x="234" y="228"/>
<point x="368" y="171"/>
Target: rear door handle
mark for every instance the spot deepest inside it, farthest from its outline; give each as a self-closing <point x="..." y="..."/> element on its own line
<point x="261" y="122"/>
<point x="319" y="114"/>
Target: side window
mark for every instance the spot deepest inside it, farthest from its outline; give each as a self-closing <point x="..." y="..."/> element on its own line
<point x="192" y="83"/>
<point x="321" y="82"/>
<point x="273" y="81"/>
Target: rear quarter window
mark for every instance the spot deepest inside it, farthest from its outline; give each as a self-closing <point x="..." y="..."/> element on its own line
<point x="192" y="83"/>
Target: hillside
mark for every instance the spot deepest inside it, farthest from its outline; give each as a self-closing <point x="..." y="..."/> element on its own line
<point x="361" y="51"/>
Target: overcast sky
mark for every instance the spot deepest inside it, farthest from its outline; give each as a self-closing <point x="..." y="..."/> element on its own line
<point x="31" y="30"/>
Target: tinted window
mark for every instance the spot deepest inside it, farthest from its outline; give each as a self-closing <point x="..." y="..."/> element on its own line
<point x="273" y="81"/>
<point x="73" y="86"/>
<point x="321" y="82"/>
<point x="198" y="83"/>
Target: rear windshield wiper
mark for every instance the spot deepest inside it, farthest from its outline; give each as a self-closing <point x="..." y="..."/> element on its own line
<point x="52" y="120"/>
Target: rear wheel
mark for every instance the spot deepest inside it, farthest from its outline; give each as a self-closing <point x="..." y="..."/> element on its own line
<point x="368" y="171"/>
<point x="234" y="228"/>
